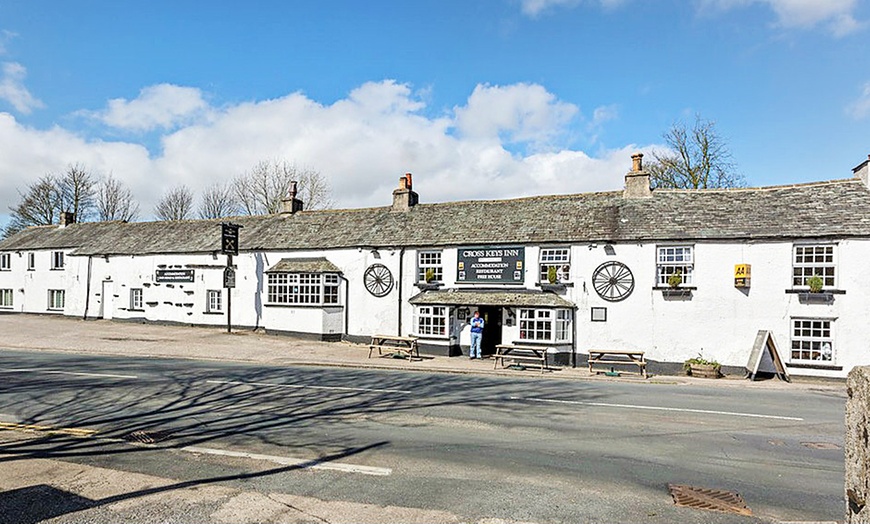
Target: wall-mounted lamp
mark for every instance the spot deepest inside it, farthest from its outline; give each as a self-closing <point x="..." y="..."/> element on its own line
<point x="376" y="254"/>
<point x="608" y="248"/>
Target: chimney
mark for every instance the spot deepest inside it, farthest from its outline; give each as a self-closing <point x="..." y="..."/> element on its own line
<point x="67" y="218"/>
<point x="404" y="198"/>
<point x="290" y="204"/>
<point x="862" y="171"/>
<point x="637" y="180"/>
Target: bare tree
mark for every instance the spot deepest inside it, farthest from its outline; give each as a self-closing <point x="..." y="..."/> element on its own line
<point x="77" y="192"/>
<point x="40" y="205"/>
<point x="698" y="158"/>
<point x="218" y="201"/>
<point x="114" y="201"/>
<point x="260" y="190"/>
<point x="177" y="204"/>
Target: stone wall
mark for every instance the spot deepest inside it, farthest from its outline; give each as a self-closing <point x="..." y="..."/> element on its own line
<point x="857" y="446"/>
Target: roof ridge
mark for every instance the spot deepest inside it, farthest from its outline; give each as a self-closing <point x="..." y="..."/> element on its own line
<point x="761" y="188"/>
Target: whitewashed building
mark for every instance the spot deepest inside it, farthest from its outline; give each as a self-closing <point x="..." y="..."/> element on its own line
<point x="670" y="272"/>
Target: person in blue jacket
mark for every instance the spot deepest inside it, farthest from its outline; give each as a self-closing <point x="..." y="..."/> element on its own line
<point x="476" y="335"/>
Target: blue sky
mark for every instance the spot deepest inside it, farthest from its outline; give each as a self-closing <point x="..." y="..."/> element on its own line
<point x="489" y="99"/>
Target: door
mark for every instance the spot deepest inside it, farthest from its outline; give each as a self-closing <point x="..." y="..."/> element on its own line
<point x="492" y="322"/>
<point x="108" y="300"/>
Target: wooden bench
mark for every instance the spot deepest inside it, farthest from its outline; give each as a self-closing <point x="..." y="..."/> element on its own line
<point x="517" y="354"/>
<point x="613" y="358"/>
<point x="394" y="344"/>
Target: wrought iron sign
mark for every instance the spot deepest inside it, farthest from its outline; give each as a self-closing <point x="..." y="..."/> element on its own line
<point x="378" y="280"/>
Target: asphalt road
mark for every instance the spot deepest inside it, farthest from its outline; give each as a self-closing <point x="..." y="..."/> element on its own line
<point x="522" y="449"/>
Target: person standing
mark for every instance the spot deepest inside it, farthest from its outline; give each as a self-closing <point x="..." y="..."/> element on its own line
<point x="476" y="335"/>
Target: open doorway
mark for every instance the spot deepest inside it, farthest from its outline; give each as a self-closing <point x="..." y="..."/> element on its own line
<point x="492" y="322"/>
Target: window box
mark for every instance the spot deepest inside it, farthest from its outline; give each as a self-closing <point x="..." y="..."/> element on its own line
<point x="822" y="297"/>
<point x="681" y="292"/>
<point x="426" y="286"/>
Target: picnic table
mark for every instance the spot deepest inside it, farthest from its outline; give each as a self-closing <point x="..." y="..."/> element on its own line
<point x="395" y="344"/>
<point x="612" y="358"/>
<point x="519" y="353"/>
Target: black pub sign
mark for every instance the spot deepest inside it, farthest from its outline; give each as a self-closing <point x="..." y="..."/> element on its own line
<point x="230" y="239"/>
<point x="174" y="275"/>
<point x="491" y="264"/>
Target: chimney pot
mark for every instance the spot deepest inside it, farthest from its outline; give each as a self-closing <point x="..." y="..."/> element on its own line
<point x="637" y="162"/>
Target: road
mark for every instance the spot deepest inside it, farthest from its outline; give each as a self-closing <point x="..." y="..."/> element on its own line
<point x="474" y="447"/>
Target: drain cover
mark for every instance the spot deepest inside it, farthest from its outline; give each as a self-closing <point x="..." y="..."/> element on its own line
<point x="711" y="499"/>
<point x="147" y="437"/>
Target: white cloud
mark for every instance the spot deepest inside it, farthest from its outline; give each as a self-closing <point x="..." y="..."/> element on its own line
<point x="362" y="143"/>
<point x="860" y="108"/>
<point x="519" y="113"/>
<point x="836" y="15"/>
<point x="535" y="7"/>
<point x="158" y="106"/>
<point x="12" y="88"/>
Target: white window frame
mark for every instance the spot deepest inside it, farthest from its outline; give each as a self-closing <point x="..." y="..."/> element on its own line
<point x="6" y="298"/>
<point x="214" y="301"/>
<point x="57" y="260"/>
<point x="673" y="258"/>
<point x="558" y="257"/>
<point x="307" y="289"/>
<point x="56" y="299"/>
<point x="432" y="320"/>
<point x="433" y="260"/>
<point x="814" y="259"/>
<point x="5" y="261"/>
<point x="136" y="302"/>
<point x="31" y="261"/>
<point x="812" y="340"/>
<point x="563" y="325"/>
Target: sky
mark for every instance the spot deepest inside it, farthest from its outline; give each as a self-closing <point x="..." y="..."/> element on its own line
<point x="478" y="99"/>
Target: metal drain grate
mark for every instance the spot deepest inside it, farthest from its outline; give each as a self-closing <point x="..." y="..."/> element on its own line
<point x="710" y="499"/>
<point x="147" y="437"/>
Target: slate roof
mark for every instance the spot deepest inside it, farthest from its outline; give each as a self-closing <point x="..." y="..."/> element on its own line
<point x="834" y="209"/>
<point x="304" y="265"/>
<point x="489" y="297"/>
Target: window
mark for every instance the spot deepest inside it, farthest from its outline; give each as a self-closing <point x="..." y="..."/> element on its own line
<point x="56" y="299"/>
<point x="538" y="324"/>
<point x="5" y="298"/>
<point x="814" y="260"/>
<point x="563" y="325"/>
<point x="429" y="262"/>
<point x="675" y="260"/>
<point x="213" y="301"/>
<point x="57" y="260"/>
<point x="136" y="299"/>
<point x="5" y="261"/>
<point x="31" y="261"/>
<point x="432" y="320"/>
<point x="560" y="258"/>
<point x="302" y="288"/>
<point x="811" y="340"/>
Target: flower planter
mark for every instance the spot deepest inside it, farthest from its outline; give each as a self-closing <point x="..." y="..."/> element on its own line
<point x="704" y="371"/>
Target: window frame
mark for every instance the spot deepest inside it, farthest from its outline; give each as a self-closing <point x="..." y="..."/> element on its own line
<point x="829" y="279"/>
<point x="558" y="257"/>
<point x="670" y="263"/>
<point x="53" y="295"/>
<point x="4" y="294"/>
<point x="136" y="300"/>
<point x="424" y="265"/>
<point x="5" y="261"/>
<point x="58" y="262"/>
<point x="31" y="261"/>
<point x="807" y="342"/>
<point x="285" y="288"/>
<point x="214" y="301"/>
<point x="431" y="319"/>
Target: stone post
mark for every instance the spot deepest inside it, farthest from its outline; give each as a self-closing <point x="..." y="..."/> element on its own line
<point x="857" y="446"/>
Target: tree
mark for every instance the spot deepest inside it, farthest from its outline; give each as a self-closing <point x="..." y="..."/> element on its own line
<point x="39" y="206"/>
<point x="218" y="201"/>
<point x="698" y="158"/>
<point x="114" y="201"/>
<point x="177" y="204"/>
<point x="260" y="190"/>
<point x="77" y="192"/>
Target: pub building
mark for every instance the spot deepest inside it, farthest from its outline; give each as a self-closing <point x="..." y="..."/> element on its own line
<point x="672" y="273"/>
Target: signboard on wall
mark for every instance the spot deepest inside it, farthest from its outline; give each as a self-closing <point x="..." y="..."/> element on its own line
<point x="491" y="264"/>
<point x="174" y="275"/>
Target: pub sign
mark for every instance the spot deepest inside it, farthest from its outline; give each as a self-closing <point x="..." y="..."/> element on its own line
<point x="491" y="264"/>
<point x="230" y="239"/>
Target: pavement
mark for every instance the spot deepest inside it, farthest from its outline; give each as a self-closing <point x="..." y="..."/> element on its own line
<point x="148" y="340"/>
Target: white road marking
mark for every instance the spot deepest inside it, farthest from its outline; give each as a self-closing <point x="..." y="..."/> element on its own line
<point x="305" y="386"/>
<point x="52" y="372"/>
<point x="654" y="408"/>
<point x="292" y="461"/>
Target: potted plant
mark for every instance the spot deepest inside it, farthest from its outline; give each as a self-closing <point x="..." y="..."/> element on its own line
<point x="430" y="275"/>
<point x="552" y="275"/>
<point x="701" y="367"/>
<point x="675" y="280"/>
<point x="816" y="284"/>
